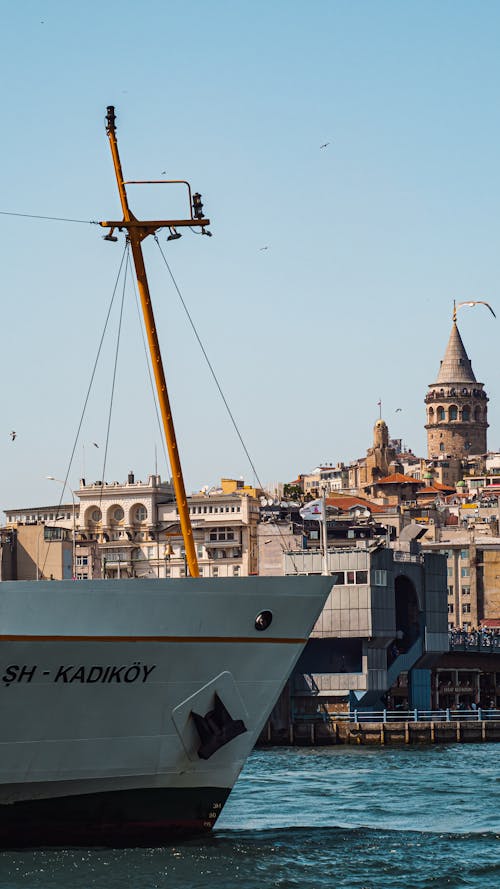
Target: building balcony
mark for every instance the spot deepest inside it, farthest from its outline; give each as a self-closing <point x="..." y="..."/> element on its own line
<point x="210" y="542"/>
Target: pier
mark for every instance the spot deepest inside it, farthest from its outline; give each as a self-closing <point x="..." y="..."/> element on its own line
<point x="387" y="727"/>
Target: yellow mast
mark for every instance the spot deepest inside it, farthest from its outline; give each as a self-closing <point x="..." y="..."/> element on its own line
<point x="136" y="232"/>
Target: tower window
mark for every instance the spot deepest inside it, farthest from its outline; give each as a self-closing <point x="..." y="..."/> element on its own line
<point x="440" y="414"/>
<point x="453" y="412"/>
<point x="466" y="414"/>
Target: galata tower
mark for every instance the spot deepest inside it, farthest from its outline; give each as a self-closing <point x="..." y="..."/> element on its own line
<point x="457" y="412"/>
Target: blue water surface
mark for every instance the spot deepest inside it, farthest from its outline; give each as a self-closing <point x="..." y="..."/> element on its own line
<point x="363" y="818"/>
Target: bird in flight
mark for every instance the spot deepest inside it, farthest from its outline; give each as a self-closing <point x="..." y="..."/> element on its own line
<point x="95" y="444"/>
<point x="325" y="145"/>
<point x="163" y="173"/>
<point x="264" y="248"/>
<point x="398" y="409"/>
<point x="476" y="302"/>
<point x="13" y="435"/>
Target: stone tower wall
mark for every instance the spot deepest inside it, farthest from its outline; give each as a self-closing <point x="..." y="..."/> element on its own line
<point x="457" y="421"/>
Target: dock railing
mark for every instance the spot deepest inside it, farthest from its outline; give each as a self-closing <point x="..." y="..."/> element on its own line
<point x="386" y="716"/>
<point x="478" y="715"/>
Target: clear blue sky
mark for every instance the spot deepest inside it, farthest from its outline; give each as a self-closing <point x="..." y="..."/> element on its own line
<point x="370" y="239"/>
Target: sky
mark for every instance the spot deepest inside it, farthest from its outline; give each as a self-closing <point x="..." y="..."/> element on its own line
<point x="369" y="240"/>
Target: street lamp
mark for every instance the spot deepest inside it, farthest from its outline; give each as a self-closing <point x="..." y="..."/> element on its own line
<point x="65" y="485"/>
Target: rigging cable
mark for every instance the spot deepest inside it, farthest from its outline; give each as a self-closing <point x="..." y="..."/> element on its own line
<point x="117" y="350"/>
<point x="94" y="369"/>
<point x="148" y="365"/>
<point x="210" y="367"/>
<point x="51" y="218"/>
<point x="212" y="371"/>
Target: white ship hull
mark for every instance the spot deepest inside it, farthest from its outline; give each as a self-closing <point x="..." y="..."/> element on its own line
<point x="99" y="681"/>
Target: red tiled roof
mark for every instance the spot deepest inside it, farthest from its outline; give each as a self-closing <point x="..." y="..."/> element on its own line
<point x="397" y="478"/>
<point x="440" y="487"/>
<point x="344" y="502"/>
<point x="430" y="489"/>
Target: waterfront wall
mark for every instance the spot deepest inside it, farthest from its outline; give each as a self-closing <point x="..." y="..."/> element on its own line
<point x="370" y="730"/>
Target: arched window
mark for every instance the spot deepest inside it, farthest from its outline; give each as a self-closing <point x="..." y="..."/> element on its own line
<point x="431" y="415"/>
<point x="140" y="513"/>
<point x="466" y="414"/>
<point x="441" y="446"/>
<point x="453" y="412"/>
<point x="440" y="414"/>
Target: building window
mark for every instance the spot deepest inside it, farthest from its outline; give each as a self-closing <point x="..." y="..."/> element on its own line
<point x="222" y="534"/>
<point x="466" y="591"/>
<point x="464" y="553"/>
<point x="350" y="577"/>
<point x="440" y="414"/>
<point x="140" y="513"/>
<point x="380" y="578"/>
<point x="215" y="571"/>
<point x="466" y="608"/>
<point x="450" y="591"/>
<point x="464" y="572"/>
<point x="338" y="577"/>
<point x="199" y="550"/>
<point x="361" y="576"/>
<point x="236" y="570"/>
<point x="118" y="514"/>
<point x="449" y="570"/>
<point x="453" y="412"/>
<point x="466" y="414"/>
<point x="96" y="515"/>
<point x="450" y="607"/>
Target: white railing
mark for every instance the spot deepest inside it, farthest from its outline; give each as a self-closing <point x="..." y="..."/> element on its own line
<point x="479" y="715"/>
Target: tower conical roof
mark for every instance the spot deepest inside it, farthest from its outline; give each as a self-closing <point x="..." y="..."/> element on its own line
<point x="455" y="366"/>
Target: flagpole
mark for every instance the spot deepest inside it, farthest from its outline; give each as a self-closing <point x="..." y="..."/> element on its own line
<point x="323" y="523"/>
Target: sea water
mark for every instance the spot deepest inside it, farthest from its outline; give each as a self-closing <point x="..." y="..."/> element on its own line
<point x="356" y="817"/>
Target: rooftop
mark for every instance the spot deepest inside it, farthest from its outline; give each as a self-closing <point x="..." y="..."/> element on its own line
<point x="455" y="366"/>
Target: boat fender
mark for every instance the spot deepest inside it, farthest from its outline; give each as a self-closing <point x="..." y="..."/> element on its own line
<point x="216" y="728"/>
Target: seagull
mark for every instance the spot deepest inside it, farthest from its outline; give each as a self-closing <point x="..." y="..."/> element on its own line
<point x="325" y="145"/>
<point x="264" y="248"/>
<point x="476" y="302"/>
<point x="95" y="444"/>
<point x="163" y="173"/>
<point x="398" y="409"/>
<point x="13" y="435"/>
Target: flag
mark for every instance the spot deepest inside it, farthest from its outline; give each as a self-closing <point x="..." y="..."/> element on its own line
<point x="313" y="510"/>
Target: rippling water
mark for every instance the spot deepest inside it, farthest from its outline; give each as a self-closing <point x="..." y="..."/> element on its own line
<point x="378" y="818"/>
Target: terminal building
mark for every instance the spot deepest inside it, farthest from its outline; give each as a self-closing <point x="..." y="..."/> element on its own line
<point x="386" y="615"/>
